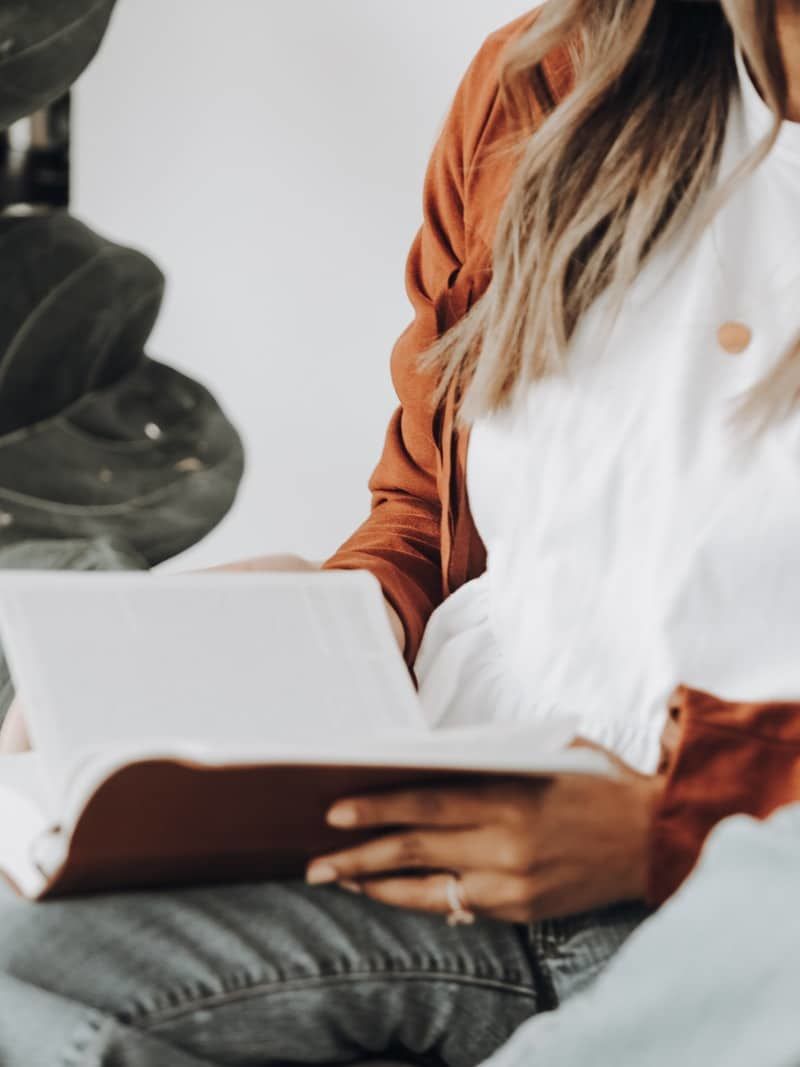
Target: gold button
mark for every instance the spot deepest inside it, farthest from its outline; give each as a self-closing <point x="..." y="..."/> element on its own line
<point x="734" y="337"/>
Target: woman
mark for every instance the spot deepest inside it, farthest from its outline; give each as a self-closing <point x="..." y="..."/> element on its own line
<point x="605" y="288"/>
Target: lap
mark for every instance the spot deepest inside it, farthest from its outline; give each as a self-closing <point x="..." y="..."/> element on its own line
<point x="310" y="974"/>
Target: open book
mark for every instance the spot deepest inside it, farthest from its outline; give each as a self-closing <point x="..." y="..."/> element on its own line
<point x="197" y="728"/>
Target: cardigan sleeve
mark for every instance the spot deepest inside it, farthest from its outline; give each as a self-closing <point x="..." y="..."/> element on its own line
<point x="720" y="758"/>
<point x="400" y="542"/>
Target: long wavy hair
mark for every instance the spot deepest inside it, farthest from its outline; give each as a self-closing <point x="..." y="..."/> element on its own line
<point x="625" y="161"/>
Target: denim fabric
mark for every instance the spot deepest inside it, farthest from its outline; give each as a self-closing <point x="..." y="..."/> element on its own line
<point x="44" y="47"/>
<point x="572" y="952"/>
<point x="274" y="973"/>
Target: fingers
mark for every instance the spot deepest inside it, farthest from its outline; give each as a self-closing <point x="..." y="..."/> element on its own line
<point x="418" y="894"/>
<point x="423" y="806"/>
<point x="419" y="850"/>
<point x="484" y="893"/>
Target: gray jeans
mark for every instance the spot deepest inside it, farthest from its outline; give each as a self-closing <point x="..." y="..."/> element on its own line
<point x="276" y="973"/>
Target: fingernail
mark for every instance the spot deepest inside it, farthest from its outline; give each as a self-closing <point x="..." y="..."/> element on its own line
<point x="351" y="887"/>
<point x="342" y="815"/>
<point x="321" y="874"/>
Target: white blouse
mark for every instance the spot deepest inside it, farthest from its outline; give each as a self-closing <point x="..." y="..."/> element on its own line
<point x="636" y="540"/>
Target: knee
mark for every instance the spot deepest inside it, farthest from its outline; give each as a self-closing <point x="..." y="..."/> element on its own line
<point x="40" y="941"/>
<point x="21" y="929"/>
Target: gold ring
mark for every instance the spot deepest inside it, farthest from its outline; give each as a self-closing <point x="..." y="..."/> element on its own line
<point x="460" y="913"/>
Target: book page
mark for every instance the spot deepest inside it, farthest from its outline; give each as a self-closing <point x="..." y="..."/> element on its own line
<point x="25" y="817"/>
<point x="538" y="749"/>
<point x="230" y="661"/>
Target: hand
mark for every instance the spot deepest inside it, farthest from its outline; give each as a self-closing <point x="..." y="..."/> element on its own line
<point x="524" y="849"/>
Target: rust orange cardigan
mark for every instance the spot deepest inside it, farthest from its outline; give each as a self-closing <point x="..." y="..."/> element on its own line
<point x="420" y="541"/>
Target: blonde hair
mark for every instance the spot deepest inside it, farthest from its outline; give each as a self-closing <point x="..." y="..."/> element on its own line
<point x="619" y="166"/>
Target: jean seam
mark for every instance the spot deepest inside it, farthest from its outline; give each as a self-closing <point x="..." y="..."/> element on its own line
<point x="183" y="1004"/>
<point x="90" y="1039"/>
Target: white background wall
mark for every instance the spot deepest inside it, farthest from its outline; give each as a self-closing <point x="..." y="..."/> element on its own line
<point x="269" y="154"/>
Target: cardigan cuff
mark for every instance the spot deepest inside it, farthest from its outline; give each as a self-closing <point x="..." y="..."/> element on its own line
<point x="724" y="759"/>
